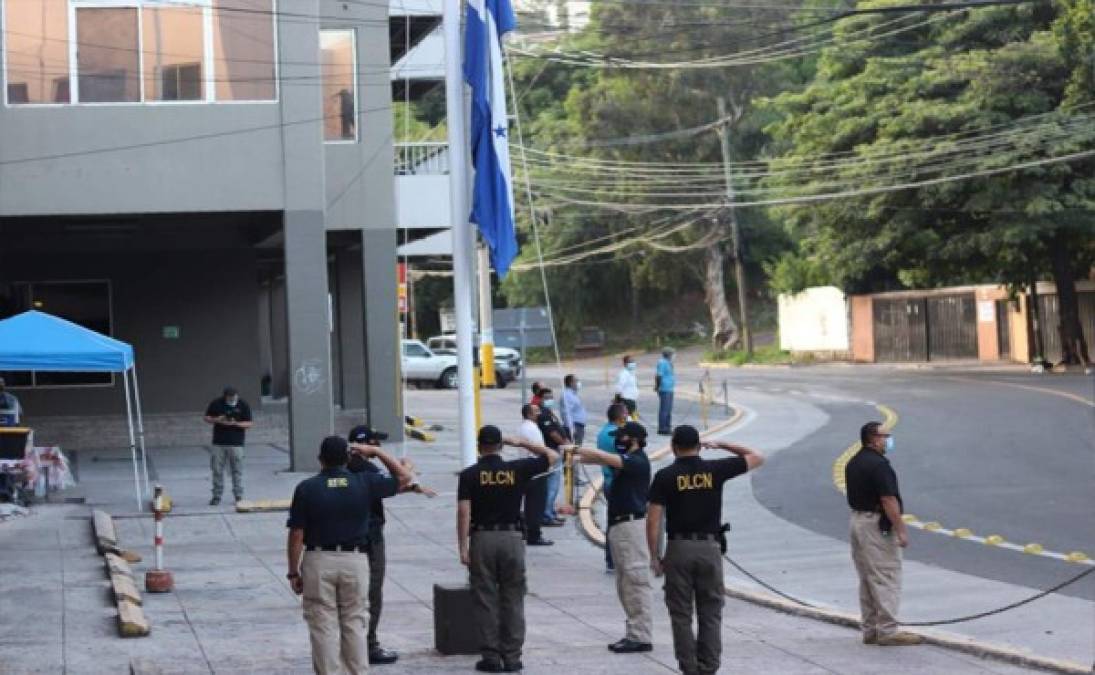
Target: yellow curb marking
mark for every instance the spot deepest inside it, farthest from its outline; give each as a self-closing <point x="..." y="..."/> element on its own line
<point x="1078" y="557"/>
<point x="963" y="532"/>
<point x="1033" y="548"/>
<point x="994" y="540"/>
<point x="1052" y="392"/>
<point x="932" y="526"/>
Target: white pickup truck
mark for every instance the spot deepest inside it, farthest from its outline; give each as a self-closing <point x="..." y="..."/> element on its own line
<point x="422" y="366"/>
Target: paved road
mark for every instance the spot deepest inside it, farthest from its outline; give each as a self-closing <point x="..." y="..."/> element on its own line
<point x="1004" y="453"/>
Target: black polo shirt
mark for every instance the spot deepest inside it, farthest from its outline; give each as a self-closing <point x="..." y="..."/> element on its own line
<point x="630" y="486"/>
<point x="359" y="464"/>
<point x="222" y="433"/>
<point x="495" y="487"/>
<point x="333" y="507"/>
<point x="690" y="489"/>
<point x="548" y="422"/>
<point x="869" y="477"/>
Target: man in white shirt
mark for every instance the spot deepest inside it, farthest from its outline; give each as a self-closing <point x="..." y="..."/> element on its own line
<point x="536" y="492"/>
<point x="627" y="386"/>
<point x="574" y="412"/>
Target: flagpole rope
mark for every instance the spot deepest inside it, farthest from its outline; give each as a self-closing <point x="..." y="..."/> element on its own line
<point x="508" y="66"/>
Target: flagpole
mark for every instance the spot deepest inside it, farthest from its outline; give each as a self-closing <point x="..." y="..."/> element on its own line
<point x="461" y="229"/>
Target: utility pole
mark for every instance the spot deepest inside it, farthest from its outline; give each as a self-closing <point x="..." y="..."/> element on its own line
<point x="739" y="268"/>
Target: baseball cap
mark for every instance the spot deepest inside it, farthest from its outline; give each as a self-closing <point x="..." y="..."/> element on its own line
<point x="490" y="435"/>
<point x="686" y="436"/>
<point x="333" y="450"/>
<point x="363" y="433"/>
<point x="633" y="430"/>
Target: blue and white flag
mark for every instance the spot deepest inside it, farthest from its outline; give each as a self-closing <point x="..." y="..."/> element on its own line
<point x="492" y="200"/>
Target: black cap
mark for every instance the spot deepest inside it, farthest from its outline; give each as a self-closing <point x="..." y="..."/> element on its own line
<point x="334" y="451"/>
<point x="363" y="433"/>
<point x="490" y="435"/>
<point x="633" y="430"/>
<point x="686" y="436"/>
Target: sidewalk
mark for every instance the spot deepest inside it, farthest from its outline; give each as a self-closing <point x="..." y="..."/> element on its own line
<point x="232" y="611"/>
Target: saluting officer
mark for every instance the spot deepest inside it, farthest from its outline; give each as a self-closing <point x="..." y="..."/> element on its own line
<point x="689" y="491"/>
<point x="328" y="545"/>
<point x="378" y="561"/>
<point x="488" y="531"/>
<point x="626" y="511"/>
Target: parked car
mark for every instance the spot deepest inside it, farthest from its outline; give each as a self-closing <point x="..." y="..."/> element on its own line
<point x="422" y="366"/>
<point x="507" y="362"/>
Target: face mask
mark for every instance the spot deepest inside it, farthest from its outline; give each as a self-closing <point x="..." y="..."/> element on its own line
<point x="231" y="402"/>
<point x="889" y="444"/>
<point x="632" y="366"/>
<point x="623" y="446"/>
<point x="577" y="386"/>
<point x="549" y="403"/>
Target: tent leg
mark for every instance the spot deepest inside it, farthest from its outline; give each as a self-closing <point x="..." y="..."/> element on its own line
<point x="132" y="442"/>
<point x="140" y="431"/>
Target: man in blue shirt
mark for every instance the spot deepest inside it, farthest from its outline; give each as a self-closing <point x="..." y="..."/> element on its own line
<point x="627" y="532"/>
<point x="664" y="382"/>
<point x="606" y="442"/>
<point x="574" y="413"/>
<point x="328" y="551"/>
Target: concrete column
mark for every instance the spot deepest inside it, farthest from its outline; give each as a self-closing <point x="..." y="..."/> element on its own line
<point x="279" y="339"/>
<point x="311" y="410"/>
<point x="351" y="328"/>
<point x="383" y="350"/>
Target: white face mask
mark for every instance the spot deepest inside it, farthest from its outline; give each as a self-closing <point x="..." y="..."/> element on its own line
<point x="632" y="366"/>
<point x="577" y="386"/>
<point x="231" y="402"/>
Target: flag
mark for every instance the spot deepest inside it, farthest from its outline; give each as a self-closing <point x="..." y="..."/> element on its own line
<point x="492" y="193"/>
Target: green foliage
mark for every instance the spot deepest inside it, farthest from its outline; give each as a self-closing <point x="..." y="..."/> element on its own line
<point x="975" y="70"/>
<point x="409" y="124"/>
<point x="793" y="273"/>
<point x="766" y="355"/>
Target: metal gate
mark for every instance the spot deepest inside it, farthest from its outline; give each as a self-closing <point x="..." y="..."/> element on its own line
<point x="900" y="330"/>
<point x="1050" y="314"/>
<point x="1003" y="330"/>
<point x="952" y="327"/>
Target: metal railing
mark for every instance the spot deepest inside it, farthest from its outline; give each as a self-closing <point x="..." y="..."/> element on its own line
<point x="428" y="158"/>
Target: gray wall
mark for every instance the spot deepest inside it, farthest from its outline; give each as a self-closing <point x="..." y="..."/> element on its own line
<point x="214" y="305"/>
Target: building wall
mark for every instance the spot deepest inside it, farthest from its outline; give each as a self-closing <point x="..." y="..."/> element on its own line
<point x="210" y="295"/>
<point x="862" y="328"/>
<point x="988" y="342"/>
<point x="815" y="320"/>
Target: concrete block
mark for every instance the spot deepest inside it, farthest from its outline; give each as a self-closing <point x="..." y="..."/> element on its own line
<point x="115" y="564"/>
<point x="125" y="589"/>
<point x="106" y="538"/>
<point x="260" y="505"/>
<point x="131" y="620"/>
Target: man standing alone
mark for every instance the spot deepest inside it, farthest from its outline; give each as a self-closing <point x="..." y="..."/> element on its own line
<point x="664" y="382"/>
<point x="878" y="534"/>
<point x="231" y="418"/>
<point x="627" y="386"/>
<point x="574" y="412"/>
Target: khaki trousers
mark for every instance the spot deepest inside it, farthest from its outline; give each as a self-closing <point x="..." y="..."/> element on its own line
<point x="627" y="541"/>
<point x="877" y="559"/>
<point x="232" y="455"/>
<point x="498" y="586"/>
<point x="336" y="585"/>
<point x="693" y="577"/>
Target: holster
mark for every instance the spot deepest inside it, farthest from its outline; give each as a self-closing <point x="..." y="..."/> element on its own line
<point x="722" y="537"/>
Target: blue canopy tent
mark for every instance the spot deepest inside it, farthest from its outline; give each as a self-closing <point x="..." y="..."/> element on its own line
<point x="36" y="341"/>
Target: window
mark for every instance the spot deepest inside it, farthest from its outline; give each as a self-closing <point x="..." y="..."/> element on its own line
<point x="36" y="50"/>
<point x="339" y="63"/>
<point x="243" y="50"/>
<point x="84" y="302"/>
<point x="129" y="51"/>
<point x="415" y="350"/>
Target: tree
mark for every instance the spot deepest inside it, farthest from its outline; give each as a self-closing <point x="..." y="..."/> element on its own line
<point x="575" y="110"/>
<point x="1018" y="72"/>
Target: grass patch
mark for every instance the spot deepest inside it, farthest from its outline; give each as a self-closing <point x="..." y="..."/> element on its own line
<point x="767" y="355"/>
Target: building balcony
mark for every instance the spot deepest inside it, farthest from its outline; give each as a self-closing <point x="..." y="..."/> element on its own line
<point x="422" y="185"/>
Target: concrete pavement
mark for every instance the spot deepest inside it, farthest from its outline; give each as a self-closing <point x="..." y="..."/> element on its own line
<point x="232" y="611"/>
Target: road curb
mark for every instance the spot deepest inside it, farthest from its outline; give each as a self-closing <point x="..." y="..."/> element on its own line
<point x="936" y="638"/>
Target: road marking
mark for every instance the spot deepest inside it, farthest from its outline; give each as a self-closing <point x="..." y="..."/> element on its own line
<point x="1031" y="387"/>
<point x="965" y="534"/>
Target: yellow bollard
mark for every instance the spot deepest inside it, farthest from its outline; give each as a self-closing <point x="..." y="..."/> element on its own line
<point x="486" y="357"/>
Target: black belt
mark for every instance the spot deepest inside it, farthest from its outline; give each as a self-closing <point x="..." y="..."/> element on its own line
<point x="693" y="536"/>
<point x="625" y="518"/>
<point x="497" y="527"/>
<point x="343" y="548"/>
